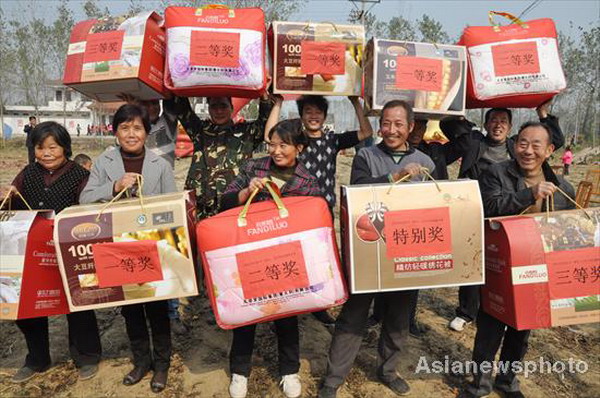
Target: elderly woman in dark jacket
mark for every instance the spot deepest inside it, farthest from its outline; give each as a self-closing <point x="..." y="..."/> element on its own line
<point x="54" y="182"/>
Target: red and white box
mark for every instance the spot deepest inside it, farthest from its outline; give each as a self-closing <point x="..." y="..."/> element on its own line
<point x="543" y="270"/>
<point x="215" y="51"/>
<point x="116" y="55"/>
<point x="274" y="264"/>
<point x="30" y="282"/>
<point x="517" y="65"/>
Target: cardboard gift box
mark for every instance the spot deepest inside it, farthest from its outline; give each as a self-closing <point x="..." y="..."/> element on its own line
<point x="116" y="55"/>
<point x="30" y="283"/>
<point x="543" y="270"/>
<point x="317" y="58"/>
<point x="430" y="77"/>
<point x="271" y="262"/>
<point x="412" y="235"/>
<point x="216" y="51"/>
<point x="513" y="66"/>
<point x="128" y="252"/>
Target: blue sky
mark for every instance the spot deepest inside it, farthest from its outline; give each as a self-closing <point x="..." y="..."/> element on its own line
<point x="454" y="15"/>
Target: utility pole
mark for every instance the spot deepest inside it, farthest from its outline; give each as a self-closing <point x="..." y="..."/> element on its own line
<point x="359" y="13"/>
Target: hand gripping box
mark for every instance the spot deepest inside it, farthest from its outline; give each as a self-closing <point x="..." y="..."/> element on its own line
<point x="127" y="253"/>
<point x="513" y="66"/>
<point x="430" y="77"/>
<point x="216" y="51"/>
<point x="116" y="55"/>
<point x="543" y="270"/>
<point x="412" y="235"/>
<point x="272" y="263"/>
<point x="30" y="283"/>
<point x="317" y="58"/>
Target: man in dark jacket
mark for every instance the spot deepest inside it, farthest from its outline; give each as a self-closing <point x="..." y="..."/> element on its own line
<point x="509" y="188"/>
<point x="27" y="130"/>
<point x="480" y="154"/>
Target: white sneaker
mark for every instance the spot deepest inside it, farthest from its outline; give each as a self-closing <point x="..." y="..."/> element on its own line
<point x="239" y="386"/>
<point x="458" y="324"/>
<point x="291" y="385"/>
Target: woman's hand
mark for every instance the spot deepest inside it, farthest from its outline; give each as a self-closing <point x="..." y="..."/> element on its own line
<point x="127" y="181"/>
<point x="255" y="183"/>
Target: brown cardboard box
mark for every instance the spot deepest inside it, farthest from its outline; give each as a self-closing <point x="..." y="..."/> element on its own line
<point x="331" y="63"/>
<point x="165" y="221"/>
<point x="430" y="77"/>
<point x="116" y="55"/>
<point x="543" y="270"/>
<point x="412" y="235"/>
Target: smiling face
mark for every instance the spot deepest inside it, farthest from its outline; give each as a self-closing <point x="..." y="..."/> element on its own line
<point x="532" y="148"/>
<point x="395" y="128"/>
<point x="49" y="154"/>
<point x="132" y="136"/>
<point x="282" y="153"/>
<point x="498" y="126"/>
<point x="220" y="110"/>
<point x="313" y="118"/>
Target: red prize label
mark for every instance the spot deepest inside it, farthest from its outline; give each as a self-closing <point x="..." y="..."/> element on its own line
<point x="272" y="270"/>
<point x="122" y="263"/>
<point x="105" y="46"/>
<point x="215" y="49"/>
<point x="418" y="232"/>
<point x="574" y="273"/>
<point x="516" y="59"/>
<point x="417" y="73"/>
<point x="323" y="57"/>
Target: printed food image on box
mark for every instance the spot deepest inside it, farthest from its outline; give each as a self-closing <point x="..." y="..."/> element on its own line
<point x="318" y="58"/>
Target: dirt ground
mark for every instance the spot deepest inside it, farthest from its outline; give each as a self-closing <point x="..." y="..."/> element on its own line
<point x="200" y="360"/>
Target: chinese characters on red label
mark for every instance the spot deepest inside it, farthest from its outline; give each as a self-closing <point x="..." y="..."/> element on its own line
<point x="574" y="273"/>
<point x="419" y="232"/>
<point x="417" y="73"/>
<point x="121" y="263"/>
<point x="104" y="46"/>
<point x="272" y="270"/>
<point x="515" y="59"/>
<point x="220" y="49"/>
<point x="322" y="57"/>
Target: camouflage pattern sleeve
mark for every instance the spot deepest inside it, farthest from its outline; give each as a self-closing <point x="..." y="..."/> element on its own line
<point x="181" y="109"/>
<point x="242" y="180"/>
<point x="257" y="127"/>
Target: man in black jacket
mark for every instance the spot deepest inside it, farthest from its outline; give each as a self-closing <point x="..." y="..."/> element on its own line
<point x="27" y="130"/>
<point x="478" y="155"/>
<point x="509" y="188"/>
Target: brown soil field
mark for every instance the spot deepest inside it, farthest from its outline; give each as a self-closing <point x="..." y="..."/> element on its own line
<point x="200" y="361"/>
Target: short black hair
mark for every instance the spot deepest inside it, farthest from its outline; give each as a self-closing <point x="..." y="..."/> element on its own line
<point x="82" y="159"/>
<point x="316" y="100"/>
<point x="290" y="131"/>
<point x="410" y="114"/>
<point x="32" y="117"/>
<point x="55" y="130"/>
<point x="488" y="114"/>
<point x="228" y="99"/>
<point x="129" y="112"/>
<point x="535" y="124"/>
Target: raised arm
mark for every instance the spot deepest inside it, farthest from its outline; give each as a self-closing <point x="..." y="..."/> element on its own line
<point x="273" y="118"/>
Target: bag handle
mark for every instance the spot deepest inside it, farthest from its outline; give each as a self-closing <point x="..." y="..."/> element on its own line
<point x="8" y="197"/>
<point x="550" y="204"/>
<point x="424" y="171"/>
<point x="506" y="15"/>
<point x="283" y="211"/>
<point x="140" y="181"/>
<point x="307" y="26"/>
<point x="215" y="7"/>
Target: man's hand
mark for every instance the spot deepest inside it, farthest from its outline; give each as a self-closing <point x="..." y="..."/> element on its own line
<point x="354" y="100"/>
<point x="127" y="181"/>
<point x="277" y="99"/>
<point x="412" y="169"/>
<point x="542" y="110"/>
<point x="543" y="190"/>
